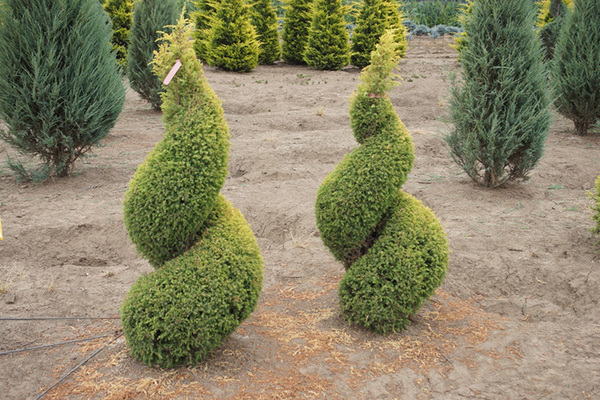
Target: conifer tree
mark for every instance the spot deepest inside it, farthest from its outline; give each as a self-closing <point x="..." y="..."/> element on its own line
<point x="149" y="18"/>
<point x="370" y="25"/>
<point x="576" y="69"/>
<point x="394" y="19"/>
<point x="264" y="20"/>
<point x="121" y="15"/>
<point x="500" y="112"/>
<point x="233" y="42"/>
<point x="203" y="17"/>
<point x="208" y="265"/>
<point x="327" y="46"/>
<point x="59" y="99"/>
<point x="296" y="23"/>
<point x="551" y="23"/>
<point x="393" y="248"/>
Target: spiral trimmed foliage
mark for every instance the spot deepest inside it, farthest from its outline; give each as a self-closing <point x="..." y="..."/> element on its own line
<point x="209" y="267"/>
<point x="393" y="247"/>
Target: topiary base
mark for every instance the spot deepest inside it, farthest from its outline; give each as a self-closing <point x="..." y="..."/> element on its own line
<point x="180" y="313"/>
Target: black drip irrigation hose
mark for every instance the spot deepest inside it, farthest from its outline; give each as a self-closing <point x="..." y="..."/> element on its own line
<point x="51" y="318"/>
<point x="4" y="353"/>
<point x="78" y="366"/>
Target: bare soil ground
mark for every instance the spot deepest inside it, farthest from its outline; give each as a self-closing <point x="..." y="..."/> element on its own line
<point x="517" y="316"/>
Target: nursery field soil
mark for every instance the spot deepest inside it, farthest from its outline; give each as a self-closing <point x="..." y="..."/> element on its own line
<point x="516" y="318"/>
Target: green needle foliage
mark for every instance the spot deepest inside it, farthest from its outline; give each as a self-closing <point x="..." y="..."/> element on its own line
<point x="500" y="111"/>
<point x="370" y="25"/>
<point x="264" y="20"/>
<point x="203" y="17"/>
<point x="394" y="249"/>
<point x="209" y="268"/>
<point x="60" y="87"/>
<point x="551" y="23"/>
<point x="150" y="17"/>
<point x="121" y="15"/>
<point x="374" y="18"/>
<point x="296" y="24"/>
<point x="327" y="46"/>
<point x="576" y="70"/>
<point x="394" y="20"/>
<point x="233" y="42"/>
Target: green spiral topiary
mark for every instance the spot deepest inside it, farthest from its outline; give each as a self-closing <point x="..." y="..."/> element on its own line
<point x="393" y="247"/>
<point x="209" y="268"/>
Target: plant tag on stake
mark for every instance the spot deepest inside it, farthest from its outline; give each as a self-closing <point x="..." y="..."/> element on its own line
<point x="172" y="72"/>
<point x="0" y="229"/>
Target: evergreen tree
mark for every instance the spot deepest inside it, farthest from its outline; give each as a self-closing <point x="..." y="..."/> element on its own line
<point x="264" y="20"/>
<point x="551" y="24"/>
<point x="394" y="248"/>
<point x="149" y="18"/>
<point x="576" y="70"/>
<point x="394" y="20"/>
<point x="233" y="43"/>
<point x="203" y="17"/>
<point x="121" y="15"/>
<point x="370" y="25"/>
<point x="327" y="46"/>
<point x="208" y="265"/>
<point x="59" y="99"/>
<point x="500" y="112"/>
<point x="296" y="23"/>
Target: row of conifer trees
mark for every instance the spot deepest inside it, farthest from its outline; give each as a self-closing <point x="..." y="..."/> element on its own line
<point x="236" y="35"/>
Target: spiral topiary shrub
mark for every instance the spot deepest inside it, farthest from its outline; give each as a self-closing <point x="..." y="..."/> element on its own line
<point x="393" y="247"/>
<point x="208" y="265"/>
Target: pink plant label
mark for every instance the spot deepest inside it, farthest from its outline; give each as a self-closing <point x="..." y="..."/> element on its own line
<point x="172" y="73"/>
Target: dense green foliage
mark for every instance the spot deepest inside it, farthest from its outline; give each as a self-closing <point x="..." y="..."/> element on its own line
<point x="393" y="247"/>
<point x="296" y="24"/>
<point x="121" y="15"/>
<point x="233" y="42"/>
<point x="576" y="70"/>
<point x="264" y="20"/>
<point x="209" y="268"/>
<point x="433" y="12"/>
<point x="149" y="18"/>
<point x="500" y="111"/>
<point x="374" y="18"/>
<point x="203" y="17"/>
<point x="60" y="87"/>
<point x="327" y="46"/>
<point x="551" y="25"/>
<point x="394" y="20"/>
<point x="370" y="25"/>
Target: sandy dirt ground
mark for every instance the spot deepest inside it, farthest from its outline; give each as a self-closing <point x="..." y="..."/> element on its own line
<point x="516" y="318"/>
